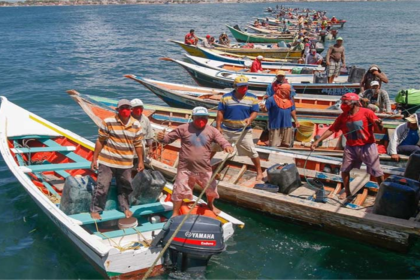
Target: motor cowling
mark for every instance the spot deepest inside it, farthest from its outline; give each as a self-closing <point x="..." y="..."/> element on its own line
<point x="199" y="238"/>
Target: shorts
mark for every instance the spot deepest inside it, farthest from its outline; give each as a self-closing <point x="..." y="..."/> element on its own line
<point x="367" y="154"/>
<point x="245" y="146"/>
<point x="281" y="137"/>
<point x="185" y="181"/>
<point x="334" y="68"/>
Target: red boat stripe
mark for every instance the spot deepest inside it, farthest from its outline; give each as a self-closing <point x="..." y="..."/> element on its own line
<point x="196" y="241"/>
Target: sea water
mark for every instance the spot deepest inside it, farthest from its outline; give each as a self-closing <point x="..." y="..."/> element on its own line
<point x="45" y="51"/>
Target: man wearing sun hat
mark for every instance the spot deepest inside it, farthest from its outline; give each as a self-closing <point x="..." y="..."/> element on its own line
<point x="335" y="59"/>
<point x="236" y="111"/>
<point x="194" y="157"/>
<point x="373" y="74"/>
<point x="376" y="99"/>
<point x="406" y="138"/>
<point x="357" y="125"/>
<point x="119" y="138"/>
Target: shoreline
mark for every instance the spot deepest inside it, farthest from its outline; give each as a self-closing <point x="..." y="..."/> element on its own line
<point x="68" y="3"/>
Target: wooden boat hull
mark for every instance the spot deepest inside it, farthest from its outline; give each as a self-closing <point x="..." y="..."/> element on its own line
<point x="350" y="221"/>
<point x="224" y="79"/>
<point x="246" y="37"/>
<point x="35" y="150"/>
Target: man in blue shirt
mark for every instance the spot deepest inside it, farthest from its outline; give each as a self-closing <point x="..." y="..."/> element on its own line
<point x="281" y="109"/>
<point x="280" y="79"/>
<point x="406" y="138"/>
<point x="236" y="110"/>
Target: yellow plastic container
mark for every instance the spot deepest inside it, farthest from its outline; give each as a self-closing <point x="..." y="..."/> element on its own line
<point x="305" y="131"/>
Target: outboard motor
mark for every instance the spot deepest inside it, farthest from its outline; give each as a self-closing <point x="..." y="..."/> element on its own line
<point x="199" y="238"/>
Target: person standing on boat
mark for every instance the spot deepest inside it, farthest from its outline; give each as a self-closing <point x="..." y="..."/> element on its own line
<point x="280" y="79"/>
<point x="224" y="39"/>
<point x="237" y="109"/>
<point x="335" y="59"/>
<point x="314" y="58"/>
<point x="281" y="109"/>
<point x="256" y="66"/>
<point x="194" y="158"/>
<point x="376" y="99"/>
<point x="406" y="138"/>
<point x="119" y="137"/>
<point x="191" y="39"/>
<point x="357" y="125"/>
<point x="146" y="128"/>
<point x="373" y="74"/>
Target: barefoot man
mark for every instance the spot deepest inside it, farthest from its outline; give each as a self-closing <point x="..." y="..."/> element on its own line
<point x="357" y="125"/>
<point x="119" y="137"/>
<point x="194" y="158"/>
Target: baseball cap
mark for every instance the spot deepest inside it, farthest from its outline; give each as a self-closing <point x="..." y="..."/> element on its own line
<point x="123" y="102"/>
<point x="373" y="68"/>
<point x="136" y="102"/>
<point x="374" y="83"/>
<point x="340" y="39"/>
<point x="240" y="81"/>
<point x="280" y="73"/>
<point x="260" y="57"/>
<point x="350" y="96"/>
<point x="200" y="111"/>
<point x="208" y="36"/>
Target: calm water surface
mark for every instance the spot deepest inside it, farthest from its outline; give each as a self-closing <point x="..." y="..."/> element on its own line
<point x="45" y="51"/>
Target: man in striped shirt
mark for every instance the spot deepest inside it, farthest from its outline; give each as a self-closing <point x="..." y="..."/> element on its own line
<point x="119" y="137"/>
<point x="236" y="111"/>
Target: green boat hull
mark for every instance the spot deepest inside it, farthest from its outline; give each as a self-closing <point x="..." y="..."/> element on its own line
<point x="246" y="37"/>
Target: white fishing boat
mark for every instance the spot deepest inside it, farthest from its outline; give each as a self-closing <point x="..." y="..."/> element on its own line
<point x="43" y="156"/>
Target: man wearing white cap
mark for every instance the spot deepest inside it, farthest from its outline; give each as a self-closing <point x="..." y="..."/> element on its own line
<point x="373" y="74"/>
<point x="194" y="158"/>
<point x="256" y="66"/>
<point x="406" y="138"/>
<point x="137" y="108"/>
<point x="376" y="99"/>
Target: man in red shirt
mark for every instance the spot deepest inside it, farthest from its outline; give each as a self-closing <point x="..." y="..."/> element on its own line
<point x="190" y="38"/>
<point x="356" y="123"/>
<point x="256" y="66"/>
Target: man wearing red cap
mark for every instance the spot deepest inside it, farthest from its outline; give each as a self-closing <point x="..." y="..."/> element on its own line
<point x="356" y="123"/>
<point x="207" y="42"/>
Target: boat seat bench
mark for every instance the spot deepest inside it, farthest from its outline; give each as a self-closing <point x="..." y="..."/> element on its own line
<point x="43" y="149"/>
<point x="55" y="167"/>
<point x="118" y="233"/>
<point x="109" y="215"/>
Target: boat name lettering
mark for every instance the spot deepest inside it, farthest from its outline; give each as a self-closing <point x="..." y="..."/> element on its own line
<point x="335" y="91"/>
<point x="189" y="234"/>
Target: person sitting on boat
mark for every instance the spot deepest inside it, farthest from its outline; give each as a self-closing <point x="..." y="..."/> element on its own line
<point x="256" y="66"/>
<point x="137" y="108"/>
<point x="406" y="138"/>
<point x="373" y="74"/>
<point x="307" y="47"/>
<point x="357" y="125"/>
<point x="335" y="59"/>
<point x="299" y="46"/>
<point x="314" y="58"/>
<point x="376" y="99"/>
<point x="119" y="136"/>
<point x="194" y="158"/>
<point x="190" y="38"/>
<point x="237" y="109"/>
<point x="281" y="109"/>
<point x="207" y="43"/>
<point x="300" y="37"/>
<point x="224" y="39"/>
<point x="257" y="23"/>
